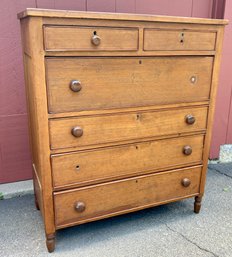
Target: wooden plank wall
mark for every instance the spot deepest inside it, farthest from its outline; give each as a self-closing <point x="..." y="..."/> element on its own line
<point x="222" y="130"/>
<point x="15" y="161"/>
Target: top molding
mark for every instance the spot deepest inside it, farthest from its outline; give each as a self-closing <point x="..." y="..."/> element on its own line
<point x="115" y="16"/>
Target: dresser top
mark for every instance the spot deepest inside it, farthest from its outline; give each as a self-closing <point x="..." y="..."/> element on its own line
<point x="115" y="16"/>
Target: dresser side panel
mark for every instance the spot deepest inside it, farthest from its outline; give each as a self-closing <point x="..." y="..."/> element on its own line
<point x="32" y="38"/>
<point x="214" y="86"/>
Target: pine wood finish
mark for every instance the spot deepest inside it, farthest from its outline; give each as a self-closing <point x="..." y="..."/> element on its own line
<point x="108" y="82"/>
<point x="147" y="191"/>
<point x="120" y="111"/>
<point x="58" y="38"/>
<point x="122" y="127"/>
<point x="88" y="167"/>
<point x="178" y="40"/>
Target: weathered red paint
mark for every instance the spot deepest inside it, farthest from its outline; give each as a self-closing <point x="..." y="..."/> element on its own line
<point x="128" y="6"/>
<point x="15" y="163"/>
<point x="165" y="7"/>
<point x="14" y="147"/>
<point x="101" y="5"/>
<point x="15" y="156"/>
<point x="202" y="10"/>
<point x="222" y="130"/>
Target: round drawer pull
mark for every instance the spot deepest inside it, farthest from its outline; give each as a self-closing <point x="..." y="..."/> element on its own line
<point x="96" y="40"/>
<point x="75" y="85"/>
<point x="186" y="182"/>
<point x="77" y="131"/>
<point x="187" y="150"/>
<point x="190" y="119"/>
<point x="79" y="206"/>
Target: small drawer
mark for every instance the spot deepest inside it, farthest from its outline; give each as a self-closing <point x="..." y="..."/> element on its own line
<point x="109" y="199"/>
<point x="88" y="167"/>
<point x="76" y="84"/>
<point x="108" y="129"/>
<point x="76" y="38"/>
<point x="176" y="40"/>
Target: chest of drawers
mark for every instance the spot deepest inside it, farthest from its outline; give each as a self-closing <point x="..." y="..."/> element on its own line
<point x="120" y="111"/>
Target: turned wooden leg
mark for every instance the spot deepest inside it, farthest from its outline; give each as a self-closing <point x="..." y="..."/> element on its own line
<point x="50" y="241"/>
<point x="36" y="202"/>
<point x="197" y="204"/>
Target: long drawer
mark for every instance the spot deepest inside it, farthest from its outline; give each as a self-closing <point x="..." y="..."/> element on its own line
<point x="76" y="84"/>
<point x="104" y="200"/>
<point x="108" y="129"/>
<point x="94" y="166"/>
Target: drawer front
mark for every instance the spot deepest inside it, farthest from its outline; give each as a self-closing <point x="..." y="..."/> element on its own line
<point x="110" y="163"/>
<point x="107" y="129"/>
<point x="171" y="40"/>
<point x="75" y="38"/>
<point x="76" y="84"/>
<point x="95" y="202"/>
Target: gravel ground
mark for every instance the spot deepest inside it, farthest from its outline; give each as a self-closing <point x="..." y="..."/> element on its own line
<point x="171" y="230"/>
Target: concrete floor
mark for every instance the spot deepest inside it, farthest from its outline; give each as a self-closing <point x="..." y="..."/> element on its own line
<point x="169" y="230"/>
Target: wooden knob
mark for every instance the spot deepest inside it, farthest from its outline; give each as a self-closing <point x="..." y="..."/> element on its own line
<point x="96" y="40"/>
<point x="187" y="150"/>
<point x="79" y="206"/>
<point x="190" y="119"/>
<point x="75" y="85"/>
<point x="77" y="131"/>
<point x="186" y="182"/>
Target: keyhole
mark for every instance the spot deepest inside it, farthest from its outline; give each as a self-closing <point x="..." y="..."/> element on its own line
<point x="140" y="62"/>
<point x="77" y="168"/>
<point x="138" y="116"/>
<point x="182" y="38"/>
<point x="95" y="32"/>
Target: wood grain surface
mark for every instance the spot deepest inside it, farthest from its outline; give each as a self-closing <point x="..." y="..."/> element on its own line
<point x="122" y="127"/>
<point x="109" y="199"/>
<point x="76" y="38"/>
<point x="126" y="82"/>
<point x="89" y="167"/>
<point x="155" y="39"/>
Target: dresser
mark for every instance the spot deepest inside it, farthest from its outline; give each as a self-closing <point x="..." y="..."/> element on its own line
<point x="120" y="111"/>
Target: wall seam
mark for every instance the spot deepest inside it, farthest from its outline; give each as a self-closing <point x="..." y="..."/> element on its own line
<point x="229" y="114"/>
<point x="192" y="9"/>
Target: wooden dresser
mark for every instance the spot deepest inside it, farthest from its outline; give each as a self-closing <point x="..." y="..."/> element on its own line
<point x="120" y="111"/>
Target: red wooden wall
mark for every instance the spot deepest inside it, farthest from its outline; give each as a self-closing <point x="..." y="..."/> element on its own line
<point x="222" y="130"/>
<point x="15" y="162"/>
